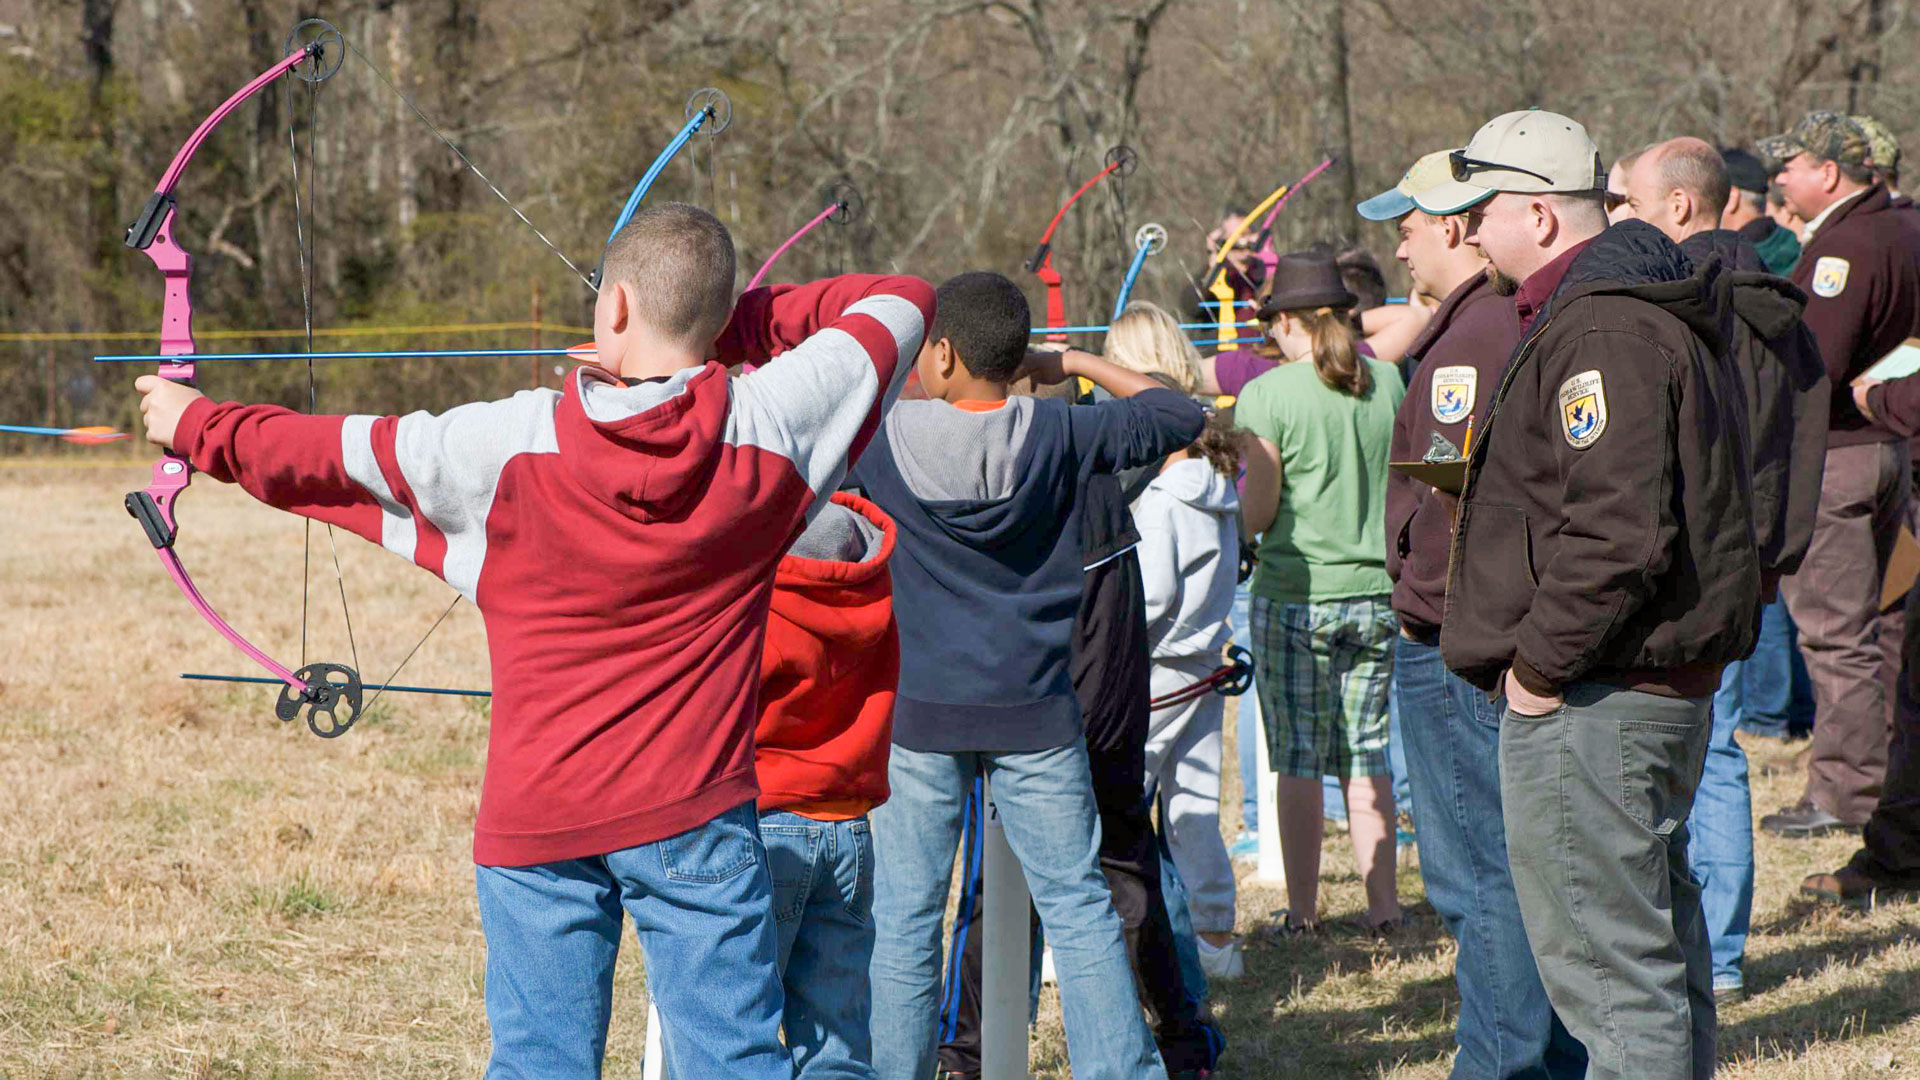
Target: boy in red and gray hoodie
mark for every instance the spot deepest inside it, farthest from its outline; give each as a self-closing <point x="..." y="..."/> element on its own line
<point x="620" y="537"/>
<point x="827" y="681"/>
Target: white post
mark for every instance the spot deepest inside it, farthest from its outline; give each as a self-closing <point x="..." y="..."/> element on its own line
<point x="1271" y="871"/>
<point x="654" y="1066"/>
<point x="1005" y="957"/>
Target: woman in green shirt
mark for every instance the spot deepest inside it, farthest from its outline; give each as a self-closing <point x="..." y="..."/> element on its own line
<point x="1322" y="625"/>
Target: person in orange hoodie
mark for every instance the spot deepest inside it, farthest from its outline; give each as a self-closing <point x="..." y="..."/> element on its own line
<point x="827" y="679"/>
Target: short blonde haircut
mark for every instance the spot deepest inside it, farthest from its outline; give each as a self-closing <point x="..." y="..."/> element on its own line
<point x="1146" y="339"/>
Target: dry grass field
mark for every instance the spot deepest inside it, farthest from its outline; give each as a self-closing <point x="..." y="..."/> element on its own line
<point x="189" y="888"/>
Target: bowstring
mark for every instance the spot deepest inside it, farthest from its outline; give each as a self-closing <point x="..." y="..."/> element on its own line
<point x="467" y="161"/>
<point x="309" y="260"/>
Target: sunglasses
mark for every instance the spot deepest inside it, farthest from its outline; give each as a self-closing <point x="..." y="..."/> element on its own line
<point x="1464" y="166"/>
<point x="1614" y="201"/>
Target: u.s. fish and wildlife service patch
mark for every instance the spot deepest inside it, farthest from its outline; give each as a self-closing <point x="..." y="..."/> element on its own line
<point x="1453" y="390"/>
<point x="1829" y="276"/>
<point x="1583" y="409"/>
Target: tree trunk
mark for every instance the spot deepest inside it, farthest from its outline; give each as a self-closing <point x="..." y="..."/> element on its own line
<point x="1326" y="62"/>
<point x="103" y="192"/>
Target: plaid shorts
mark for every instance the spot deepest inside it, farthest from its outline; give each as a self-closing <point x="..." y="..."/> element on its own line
<point x="1323" y="670"/>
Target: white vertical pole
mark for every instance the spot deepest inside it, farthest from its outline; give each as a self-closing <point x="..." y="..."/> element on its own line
<point x="1005" y="957"/>
<point x="1270" y="871"/>
<point x="654" y="1066"/>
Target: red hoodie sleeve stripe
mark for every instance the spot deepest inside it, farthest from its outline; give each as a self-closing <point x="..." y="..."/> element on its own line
<point x="420" y="485"/>
<point x="846" y="346"/>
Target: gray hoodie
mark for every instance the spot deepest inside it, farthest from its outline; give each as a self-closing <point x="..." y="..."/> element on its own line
<point x="1189" y="558"/>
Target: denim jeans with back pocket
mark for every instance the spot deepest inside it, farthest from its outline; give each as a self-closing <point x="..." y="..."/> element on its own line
<point x="823" y="908"/>
<point x="702" y="906"/>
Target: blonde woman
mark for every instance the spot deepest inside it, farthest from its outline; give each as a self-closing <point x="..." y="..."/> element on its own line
<point x="1148" y="339"/>
<point x="1323" y="628"/>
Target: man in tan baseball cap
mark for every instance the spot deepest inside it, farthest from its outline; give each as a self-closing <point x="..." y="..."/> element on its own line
<point x="1528" y="151"/>
<point x="1603" y="573"/>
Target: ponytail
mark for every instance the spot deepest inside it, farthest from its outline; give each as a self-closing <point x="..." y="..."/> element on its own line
<point x="1336" y="359"/>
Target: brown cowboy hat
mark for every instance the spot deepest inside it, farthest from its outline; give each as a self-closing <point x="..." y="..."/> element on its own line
<point x="1303" y="281"/>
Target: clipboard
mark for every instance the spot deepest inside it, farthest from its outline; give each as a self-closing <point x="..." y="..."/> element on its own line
<point x="1451" y="477"/>
<point x="1902" y="361"/>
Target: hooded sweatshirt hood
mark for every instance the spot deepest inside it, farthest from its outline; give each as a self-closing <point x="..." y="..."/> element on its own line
<point x="647" y="450"/>
<point x="829" y="667"/>
<point x="1189" y="558"/>
<point x="965" y="468"/>
<point x="1636" y="260"/>
<point x="1771" y="305"/>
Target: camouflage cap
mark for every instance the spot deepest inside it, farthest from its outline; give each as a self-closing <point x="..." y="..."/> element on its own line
<point x="1880" y="142"/>
<point x="1829" y="136"/>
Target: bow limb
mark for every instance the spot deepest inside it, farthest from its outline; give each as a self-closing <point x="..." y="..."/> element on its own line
<point x="319" y="692"/>
<point x="1119" y="161"/>
<point x="842" y="207"/>
<point x="1268" y="256"/>
<point x="703" y="106"/>
<point x="1148" y="240"/>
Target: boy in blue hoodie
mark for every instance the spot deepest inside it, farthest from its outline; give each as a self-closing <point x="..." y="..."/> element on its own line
<point x="987" y="581"/>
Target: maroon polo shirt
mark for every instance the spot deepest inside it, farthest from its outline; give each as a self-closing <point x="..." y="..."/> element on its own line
<point x="1542" y="284"/>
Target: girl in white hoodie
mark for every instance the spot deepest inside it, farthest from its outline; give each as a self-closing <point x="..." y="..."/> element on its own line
<point x="1188" y="519"/>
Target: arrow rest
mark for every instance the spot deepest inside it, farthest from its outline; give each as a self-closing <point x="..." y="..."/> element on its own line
<point x="1122" y="160"/>
<point x="330" y="689"/>
<point x="716" y="104"/>
<point x="1152" y="236"/>
<point x="322" y="43"/>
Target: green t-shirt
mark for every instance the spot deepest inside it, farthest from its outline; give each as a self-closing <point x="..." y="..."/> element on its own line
<point x="1328" y="538"/>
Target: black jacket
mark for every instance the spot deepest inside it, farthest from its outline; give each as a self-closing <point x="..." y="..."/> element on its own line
<point x="1606" y="526"/>
<point x="1787" y="401"/>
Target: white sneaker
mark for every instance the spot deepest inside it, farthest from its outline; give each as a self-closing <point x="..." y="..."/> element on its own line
<point x="1047" y="977"/>
<point x="1221" y="961"/>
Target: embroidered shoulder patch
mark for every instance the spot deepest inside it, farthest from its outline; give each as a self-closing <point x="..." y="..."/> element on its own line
<point x="1829" y="276"/>
<point x="1583" y="409"/>
<point x="1453" y="391"/>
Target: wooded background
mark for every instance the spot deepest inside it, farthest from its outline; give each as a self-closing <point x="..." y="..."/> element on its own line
<point x="964" y="123"/>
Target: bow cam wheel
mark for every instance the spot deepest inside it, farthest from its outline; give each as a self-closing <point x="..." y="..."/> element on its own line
<point x="324" y="46"/>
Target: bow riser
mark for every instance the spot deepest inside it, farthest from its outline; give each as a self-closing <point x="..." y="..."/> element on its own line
<point x="175" y="264"/>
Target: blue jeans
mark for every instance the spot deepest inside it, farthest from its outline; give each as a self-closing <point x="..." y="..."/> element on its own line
<point x="702" y="906"/>
<point x="823" y="907"/>
<point x="1507" y="1028"/>
<point x="1769" y="692"/>
<point x="1247" y="717"/>
<point x="1720" y="849"/>
<point x="1045" y="798"/>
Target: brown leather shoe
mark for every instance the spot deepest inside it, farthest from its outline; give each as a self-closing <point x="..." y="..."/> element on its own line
<point x="1855" y="889"/>
<point x="1804" y="821"/>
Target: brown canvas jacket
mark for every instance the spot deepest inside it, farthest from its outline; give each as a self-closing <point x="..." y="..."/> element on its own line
<point x="1606" y="527"/>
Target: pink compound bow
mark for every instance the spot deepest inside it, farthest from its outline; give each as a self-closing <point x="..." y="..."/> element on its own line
<point x="327" y="696"/>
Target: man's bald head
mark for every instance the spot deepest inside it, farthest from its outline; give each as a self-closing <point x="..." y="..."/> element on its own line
<point x="1680" y="187"/>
